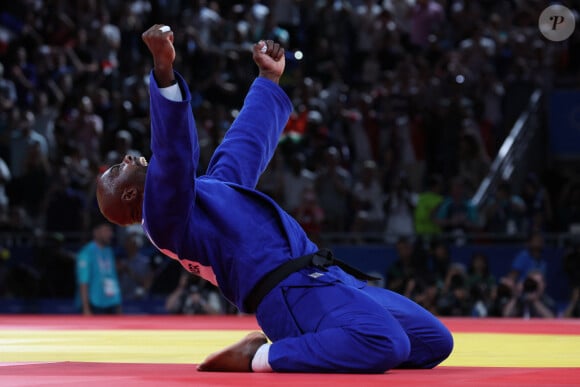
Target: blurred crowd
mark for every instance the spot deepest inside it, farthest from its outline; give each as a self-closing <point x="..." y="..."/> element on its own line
<point x="399" y="106"/>
<point x="389" y="97"/>
<point x="433" y="279"/>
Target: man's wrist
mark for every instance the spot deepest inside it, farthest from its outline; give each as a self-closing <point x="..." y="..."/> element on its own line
<point x="271" y="77"/>
<point x="164" y="76"/>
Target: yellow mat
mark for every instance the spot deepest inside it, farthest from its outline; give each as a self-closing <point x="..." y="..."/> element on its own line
<point x="192" y="346"/>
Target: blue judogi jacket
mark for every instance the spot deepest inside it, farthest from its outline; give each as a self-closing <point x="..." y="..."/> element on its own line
<point x="218" y="225"/>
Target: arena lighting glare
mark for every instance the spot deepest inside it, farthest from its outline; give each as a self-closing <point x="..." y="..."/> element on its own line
<point x="294" y="56"/>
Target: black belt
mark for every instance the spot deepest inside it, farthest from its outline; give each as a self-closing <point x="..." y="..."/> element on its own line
<point x="320" y="260"/>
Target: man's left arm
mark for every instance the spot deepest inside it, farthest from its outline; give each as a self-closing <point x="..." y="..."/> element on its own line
<point x="250" y="142"/>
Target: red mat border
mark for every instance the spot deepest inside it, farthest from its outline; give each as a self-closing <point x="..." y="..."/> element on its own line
<point x="144" y="375"/>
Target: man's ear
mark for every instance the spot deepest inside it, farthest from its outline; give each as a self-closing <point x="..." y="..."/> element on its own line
<point x="129" y="194"/>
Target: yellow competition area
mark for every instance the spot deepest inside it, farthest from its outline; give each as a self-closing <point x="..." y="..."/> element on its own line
<point x="164" y="350"/>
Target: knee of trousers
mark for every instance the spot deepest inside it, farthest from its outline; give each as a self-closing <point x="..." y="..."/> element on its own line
<point x="442" y="349"/>
<point x="384" y="351"/>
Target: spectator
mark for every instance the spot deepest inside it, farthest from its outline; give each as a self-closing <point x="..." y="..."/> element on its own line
<point x="368" y="200"/>
<point x="404" y="275"/>
<point x="108" y="44"/>
<point x="454" y="299"/>
<point x="273" y="30"/>
<point x="30" y="188"/>
<point x="505" y="292"/>
<point x="123" y="146"/>
<point x="529" y="259"/>
<point x="490" y="95"/>
<point x="23" y="137"/>
<point x="24" y="74"/>
<point x="573" y="307"/>
<point x="134" y="269"/>
<point x="428" y="203"/>
<point x="66" y="204"/>
<point x="206" y="20"/>
<point x="333" y="186"/>
<point x="427" y="17"/>
<point x="400" y="205"/>
<point x="17" y="221"/>
<point x="504" y="212"/>
<point x="5" y="178"/>
<point x="82" y="54"/>
<point x="532" y="301"/>
<point x="569" y="205"/>
<point x="86" y="129"/>
<point x="481" y="284"/>
<point x="360" y="127"/>
<point x="457" y="214"/>
<point x="310" y="214"/>
<point x="6" y="276"/>
<point x="80" y="169"/>
<point x="364" y="18"/>
<point x="297" y="178"/>
<point x="432" y="267"/>
<point x="45" y="118"/>
<point x="473" y="162"/>
<point x="438" y="263"/>
<point x="272" y="180"/>
<point x="57" y="264"/>
<point x="97" y="280"/>
<point x="193" y="295"/>
<point x="8" y="96"/>
<point x="571" y="266"/>
<point x="538" y="205"/>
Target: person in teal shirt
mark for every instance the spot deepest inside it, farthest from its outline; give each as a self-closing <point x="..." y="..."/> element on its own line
<point x="457" y="214"/>
<point x="99" y="290"/>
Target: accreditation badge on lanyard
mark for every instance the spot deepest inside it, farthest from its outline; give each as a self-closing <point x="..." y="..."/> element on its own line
<point x="110" y="287"/>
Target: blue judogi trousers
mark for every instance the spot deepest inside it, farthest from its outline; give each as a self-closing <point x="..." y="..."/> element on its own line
<point x="328" y="321"/>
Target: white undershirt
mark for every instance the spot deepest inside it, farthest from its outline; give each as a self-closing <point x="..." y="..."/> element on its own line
<point x="172" y="93"/>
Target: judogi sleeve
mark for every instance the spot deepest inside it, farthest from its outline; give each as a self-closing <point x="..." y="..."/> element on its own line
<point x="250" y="142"/>
<point x="175" y="152"/>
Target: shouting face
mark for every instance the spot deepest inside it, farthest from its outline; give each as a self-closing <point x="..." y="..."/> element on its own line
<point x="120" y="190"/>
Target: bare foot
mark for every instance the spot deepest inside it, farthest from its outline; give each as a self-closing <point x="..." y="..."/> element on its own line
<point x="235" y="358"/>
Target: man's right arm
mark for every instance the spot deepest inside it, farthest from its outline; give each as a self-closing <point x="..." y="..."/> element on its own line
<point x="174" y="144"/>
